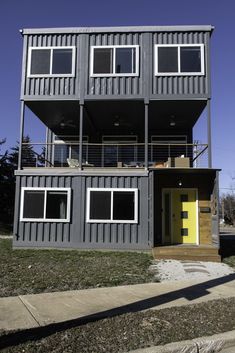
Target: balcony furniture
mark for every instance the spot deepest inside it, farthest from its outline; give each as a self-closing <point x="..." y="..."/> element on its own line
<point x="73" y="163"/>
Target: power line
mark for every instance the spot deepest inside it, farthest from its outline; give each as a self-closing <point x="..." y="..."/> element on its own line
<point x="233" y="189"/>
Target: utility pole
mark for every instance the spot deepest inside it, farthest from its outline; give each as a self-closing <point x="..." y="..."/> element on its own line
<point x="222" y="209"/>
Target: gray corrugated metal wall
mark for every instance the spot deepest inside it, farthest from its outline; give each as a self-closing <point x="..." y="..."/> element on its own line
<point x="78" y="233"/>
<point x="103" y="86"/>
<point x="146" y="85"/>
<point x="181" y="85"/>
<point x="52" y="86"/>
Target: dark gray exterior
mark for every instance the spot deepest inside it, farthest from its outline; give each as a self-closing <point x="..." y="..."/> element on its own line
<point x="146" y="85"/>
<point x="182" y="85"/>
<point x="62" y="87"/>
<point x="145" y="102"/>
<point x="78" y="233"/>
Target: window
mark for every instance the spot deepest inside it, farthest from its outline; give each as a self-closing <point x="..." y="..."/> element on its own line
<point x="45" y="204"/>
<point x="119" y="148"/>
<point x="119" y="60"/>
<point x="112" y="205"/>
<point x="184" y="59"/>
<point x="51" y="61"/>
<point x="66" y="146"/>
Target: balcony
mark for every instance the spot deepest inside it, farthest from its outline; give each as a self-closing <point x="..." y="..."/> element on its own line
<point x="110" y="155"/>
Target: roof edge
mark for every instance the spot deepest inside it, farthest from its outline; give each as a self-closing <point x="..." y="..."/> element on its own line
<point x="74" y="30"/>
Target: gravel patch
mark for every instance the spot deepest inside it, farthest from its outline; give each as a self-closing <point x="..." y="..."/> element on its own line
<point x="174" y="270"/>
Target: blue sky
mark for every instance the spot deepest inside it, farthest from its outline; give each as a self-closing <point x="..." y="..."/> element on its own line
<point x="15" y="14"/>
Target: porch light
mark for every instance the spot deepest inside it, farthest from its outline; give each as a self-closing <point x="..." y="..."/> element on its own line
<point x="172" y="121"/>
<point x="116" y="121"/>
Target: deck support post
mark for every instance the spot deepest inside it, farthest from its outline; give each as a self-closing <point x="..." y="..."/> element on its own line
<point x="22" y="114"/>
<point x="146" y="118"/>
<point x="81" y="135"/>
<point x="209" y="133"/>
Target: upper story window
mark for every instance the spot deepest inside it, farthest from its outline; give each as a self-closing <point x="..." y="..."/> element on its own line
<point x="179" y="59"/>
<point x="51" y="61"/>
<point x="114" y="60"/>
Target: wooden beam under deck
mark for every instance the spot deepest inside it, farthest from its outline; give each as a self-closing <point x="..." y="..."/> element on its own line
<point x="187" y="252"/>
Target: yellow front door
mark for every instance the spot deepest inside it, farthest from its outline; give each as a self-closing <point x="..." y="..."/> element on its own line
<point x="179" y="220"/>
<point x="184" y="216"/>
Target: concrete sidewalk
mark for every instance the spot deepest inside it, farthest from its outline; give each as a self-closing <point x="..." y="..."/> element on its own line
<point x="30" y="311"/>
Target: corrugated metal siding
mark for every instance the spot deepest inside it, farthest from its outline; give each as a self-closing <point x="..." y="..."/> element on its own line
<point x="145" y="85"/>
<point x="78" y="233"/>
<point x="181" y="85"/>
<point x="116" y="86"/>
<point x="52" y="86"/>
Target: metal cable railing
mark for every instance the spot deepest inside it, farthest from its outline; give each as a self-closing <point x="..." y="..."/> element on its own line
<point x="113" y="155"/>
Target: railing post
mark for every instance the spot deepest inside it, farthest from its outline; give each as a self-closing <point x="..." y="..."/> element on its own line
<point x="80" y="135"/>
<point x="22" y="113"/>
<point x="209" y="133"/>
<point x="146" y="113"/>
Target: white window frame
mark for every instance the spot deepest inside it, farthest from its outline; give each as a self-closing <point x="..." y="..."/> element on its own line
<point x="51" y="48"/>
<point x="179" y="73"/>
<point x="114" y="47"/>
<point x="111" y="220"/>
<point x="44" y="219"/>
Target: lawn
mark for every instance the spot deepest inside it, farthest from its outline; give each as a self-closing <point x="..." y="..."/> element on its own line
<point x="230" y="261"/>
<point x="135" y="330"/>
<point x="37" y="271"/>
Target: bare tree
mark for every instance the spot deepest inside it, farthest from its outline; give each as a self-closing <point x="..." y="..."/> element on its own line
<point x="227" y="204"/>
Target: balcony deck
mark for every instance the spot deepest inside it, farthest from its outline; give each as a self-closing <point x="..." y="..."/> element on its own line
<point x="118" y="156"/>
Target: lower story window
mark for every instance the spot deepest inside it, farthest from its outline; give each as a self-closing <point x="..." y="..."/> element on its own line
<point x="116" y="205"/>
<point x="45" y="204"/>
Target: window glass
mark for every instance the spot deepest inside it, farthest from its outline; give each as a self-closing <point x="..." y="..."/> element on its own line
<point x="184" y="231"/>
<point x="100" y="205"/>
<point x="75" y="151"/>
<point x="61" y="153"/>
<point x="62" y="61"/>
<point x="56" y="205"/>
<point x="123" y="205"/>
<point x="40" y="61"/>
<point x="125" y="60"/>
<point x="184" y="214"/>
<point x="102" y="61"/>
<point x="167" y="59"/>
<point x="33" y="204"/>
<point x="190" y="59"/>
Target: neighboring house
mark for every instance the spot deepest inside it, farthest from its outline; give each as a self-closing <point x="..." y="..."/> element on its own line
<point x="119" y="169"/>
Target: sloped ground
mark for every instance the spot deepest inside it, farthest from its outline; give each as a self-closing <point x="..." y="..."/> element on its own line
<point x="136" y="330"/>
<point x="38" y="271"/>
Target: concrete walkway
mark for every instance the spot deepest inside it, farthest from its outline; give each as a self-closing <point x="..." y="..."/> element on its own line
<point x="30" y="311"/>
